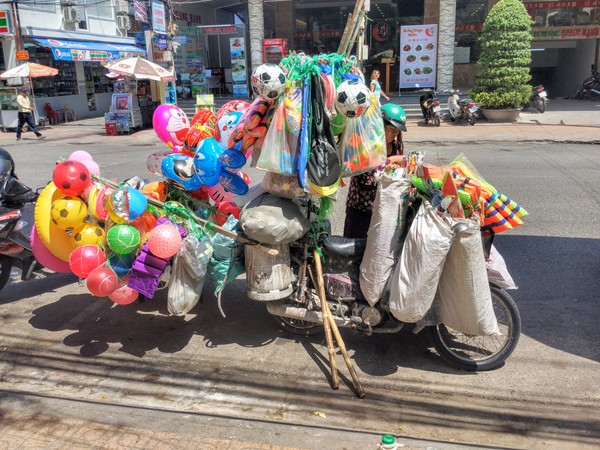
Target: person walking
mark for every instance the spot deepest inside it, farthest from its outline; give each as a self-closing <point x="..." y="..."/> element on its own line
<point x="25" y="115"/>
<point x="363" y="187"/>
<point x="375" y="86"/>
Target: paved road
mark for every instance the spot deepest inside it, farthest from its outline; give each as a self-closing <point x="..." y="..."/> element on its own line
<point x="96" y="375"/>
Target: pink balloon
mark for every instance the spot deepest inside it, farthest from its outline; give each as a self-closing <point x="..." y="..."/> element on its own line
<point x="170" y="125"/>
<point x="45" y="256"/>
<point x="92" y="166"/>
<point x="123" y="295"/>
<point x="164" y="241"/>
<point x="80" y="155"/>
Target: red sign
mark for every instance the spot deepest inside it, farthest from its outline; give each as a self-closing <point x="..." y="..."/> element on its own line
<point x="22" y="55"/>
<point x="382" y="31"/>
<point x="219" y="30"/>
<point x="4" y="25"/>
<point x="568" y="4"/>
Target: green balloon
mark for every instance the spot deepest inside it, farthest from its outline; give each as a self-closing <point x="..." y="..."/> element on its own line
<point x="123" y="239"/>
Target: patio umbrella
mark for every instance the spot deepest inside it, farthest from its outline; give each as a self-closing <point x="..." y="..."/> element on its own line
<point x="30" y="70"/>
<point x="140" y="68"/>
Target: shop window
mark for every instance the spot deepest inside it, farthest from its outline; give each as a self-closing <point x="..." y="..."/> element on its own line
<point x="65" y="83"/>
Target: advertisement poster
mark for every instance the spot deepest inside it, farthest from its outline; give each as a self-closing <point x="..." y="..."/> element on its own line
<point x="159" y="23"/>
<point x="418" y="56"/>
<point x="237" y="48"/>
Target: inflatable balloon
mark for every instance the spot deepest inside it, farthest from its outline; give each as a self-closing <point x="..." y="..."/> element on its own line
<point x="102" y="281"/>
<point x="157" y="190"/>
<point x="227" y="208"/>
<point x="195" y="136"/>
<point x="45" y="256"/>
<point x="170" y="125"/>
<point x="226" y="126"/>
<point x="121" y="264"/>
<point x="68" y="212"/>
<point x="232" y="106"/>
<point x="124" y="295"/>
<point x="97" y="202"/>
<point x="181" y="171"/>
<point x="71" y="177"/>
<point x="123" y="239"/>
<point x="164" y="241"/>
<point x="80" y="155"/>
<point x="87" y="233"/>
<point x="204" y="117"/>
<point x="86" y="258"/>
<point x="154" y="161"/>
<point x="144" y="222"/>
<point x="126" y="204"/>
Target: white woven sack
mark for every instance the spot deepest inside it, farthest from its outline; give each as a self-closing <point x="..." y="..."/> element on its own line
<point x="383" y="238"/>
<point x="415" y="279"/>
<point x="465" y="298"/>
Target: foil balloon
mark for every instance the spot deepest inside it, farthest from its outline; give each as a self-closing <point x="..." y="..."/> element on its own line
<point x="170" y="125"/>
<point x="213" y="163"/>
<point x="195" y="135"/>
<point x="204" y="117"/>
<point x="226" y="125"/>
<point x="232" y="106"/>
<point x="181" y="171"/>
<point x="154" y="161"/>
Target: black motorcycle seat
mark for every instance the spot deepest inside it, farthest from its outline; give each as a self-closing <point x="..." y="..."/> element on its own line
<point x="465" y="101"/>
<point x="342" y="246"/>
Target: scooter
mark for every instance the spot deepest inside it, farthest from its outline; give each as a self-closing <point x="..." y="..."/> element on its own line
<point x="461" y="109"/>
<point x="301" y="313"/>
<point x="538" y="98"/>
<point x="16" y="223"/>
<point x="430" y="107"/>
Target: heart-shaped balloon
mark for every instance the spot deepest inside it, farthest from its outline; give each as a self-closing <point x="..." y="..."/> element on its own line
<point x="180" y="170"/>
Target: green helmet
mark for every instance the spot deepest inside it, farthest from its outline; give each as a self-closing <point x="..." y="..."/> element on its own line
<point x="394" y="115"/>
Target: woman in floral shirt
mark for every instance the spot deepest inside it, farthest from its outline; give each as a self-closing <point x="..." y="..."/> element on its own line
<point x="363" y="187"/>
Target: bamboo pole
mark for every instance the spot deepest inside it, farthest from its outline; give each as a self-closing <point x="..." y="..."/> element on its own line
<point x="335" y="381"/>
<point x="351" y="25"/>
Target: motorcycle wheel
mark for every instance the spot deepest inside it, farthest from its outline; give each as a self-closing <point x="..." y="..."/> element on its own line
<point x="540" y="105"/>
<point x="297" y="326"/>
<point x="480" y="353"/>
<point x="436" y="121"/>
<point x="471" y="118"/>
<point x="5" y="268"/>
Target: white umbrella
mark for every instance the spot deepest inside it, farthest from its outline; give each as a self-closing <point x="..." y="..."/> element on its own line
<point x="140" y="68"/>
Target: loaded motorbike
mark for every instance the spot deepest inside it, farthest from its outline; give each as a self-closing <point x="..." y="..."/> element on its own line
<point x="301" y="312"/>
<point x="430" y="107"/>
<point x="538" y="98"/>
<point x="16" y="223"/>
<point x="461" y="108"/>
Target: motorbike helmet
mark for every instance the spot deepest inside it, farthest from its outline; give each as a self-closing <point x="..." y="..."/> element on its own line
<point x="394" y="115"/>
<point x="7" y="165"/>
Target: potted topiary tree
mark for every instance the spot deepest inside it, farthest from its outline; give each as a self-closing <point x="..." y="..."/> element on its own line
<point x="503" y="66"/>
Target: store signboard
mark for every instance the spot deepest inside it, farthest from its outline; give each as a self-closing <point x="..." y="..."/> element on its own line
<point x="159" y="22"/>
<point x="4" y="23"/>
<point x="141" y="11"/>
<point x="22" y="55"/>
<point x="237" y="49"/>
<point x="418" y="55"/>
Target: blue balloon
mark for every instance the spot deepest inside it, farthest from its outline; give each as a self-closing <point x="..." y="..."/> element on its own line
<point x="122" y="264"/>
<point x="180" y="169"/>
<point x="207" y="161"/>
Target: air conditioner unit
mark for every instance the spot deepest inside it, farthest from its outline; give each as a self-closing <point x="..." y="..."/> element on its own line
<point x="121" y="6"/>
<point x="123" y="22"/>
<point x="71" y="14"/>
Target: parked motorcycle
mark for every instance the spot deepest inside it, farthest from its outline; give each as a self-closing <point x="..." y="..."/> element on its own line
<point x="590" y="88"/>
<point x="430" y="107"/>
<point x="16" y="222"/>
<point x="461" y="109"/>
<point x="538" y="98"/>
<point x="300" y="313"/>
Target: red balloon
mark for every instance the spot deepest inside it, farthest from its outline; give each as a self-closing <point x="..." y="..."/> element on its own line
<point x="86" y="258"/>
<point x="164" y="241"/>
<point x="123" y="295"/>
<point x="102" y="281"/>
<point x="227" y="208"/>
<point x="71" y="177"/>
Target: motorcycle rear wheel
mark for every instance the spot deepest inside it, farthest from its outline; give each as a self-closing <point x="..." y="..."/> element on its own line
<point x="471" y="118"/>
<point x="297" y="326"/>
<point x="480" y="353"/>
<point x="436" y="120"/>
<point x="5" y="268"/>
<point x="540" y="105"/>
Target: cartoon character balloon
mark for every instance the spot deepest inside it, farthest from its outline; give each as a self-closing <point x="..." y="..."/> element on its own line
<point x="180" y="170"/>
<point x="171" y="125"/>
<point x="212" y="161"/>
<point x="226" y="125"/>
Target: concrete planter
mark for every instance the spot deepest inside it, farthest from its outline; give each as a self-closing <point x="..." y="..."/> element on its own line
<point x="501" y="115"/>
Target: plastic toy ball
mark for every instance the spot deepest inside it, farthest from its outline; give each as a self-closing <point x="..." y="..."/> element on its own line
<point x="123" y="239"/>
<point x="124" y="295"/>
<point x="68" y="212"/>
<point x="121" y="264"/>
<point x="86" y="258"/>
<point x="102" y="281"/>
<point x="87" y="233"/>
<point x="164" y="241"/>
<point x="71" y="177"/>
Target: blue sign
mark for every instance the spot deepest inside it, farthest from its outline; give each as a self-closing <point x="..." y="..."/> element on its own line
<point x="160" y="40"/>
<point x="64" y="50"/>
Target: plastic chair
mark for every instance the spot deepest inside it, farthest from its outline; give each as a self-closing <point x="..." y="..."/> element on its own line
<point x="69" y="114"/>
<point x="51" y="113"/>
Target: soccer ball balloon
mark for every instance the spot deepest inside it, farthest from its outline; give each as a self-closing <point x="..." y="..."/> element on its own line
<point x="268" y="81"/>
<point x="68" y="212"/>
<point x="352" y="98"/>
<point x="88" y="233"/>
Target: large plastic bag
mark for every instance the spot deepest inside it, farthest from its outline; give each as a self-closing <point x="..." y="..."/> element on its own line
<point x="188" y="274"/>
<point x="383" y="238"/>
<point x="362" y="145"/>
<point x="279" y="151"/>
<point x="415" y="279"/>
<point x="465" y="297"/>
<point x="282" y="186"/>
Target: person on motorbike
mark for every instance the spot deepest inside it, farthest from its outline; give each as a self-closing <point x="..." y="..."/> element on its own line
<point x="363" y="187"/>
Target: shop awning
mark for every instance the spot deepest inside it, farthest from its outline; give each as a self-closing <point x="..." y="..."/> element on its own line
<point x="66" y="50"/>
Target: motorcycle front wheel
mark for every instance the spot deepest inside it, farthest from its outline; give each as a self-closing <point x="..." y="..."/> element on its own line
<point x="471" y="118"/>
<point x="540" y="105"/>
<point x="436" y="120"/>
<point x="5" y="268"/>
<point x="480" y="353"/>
